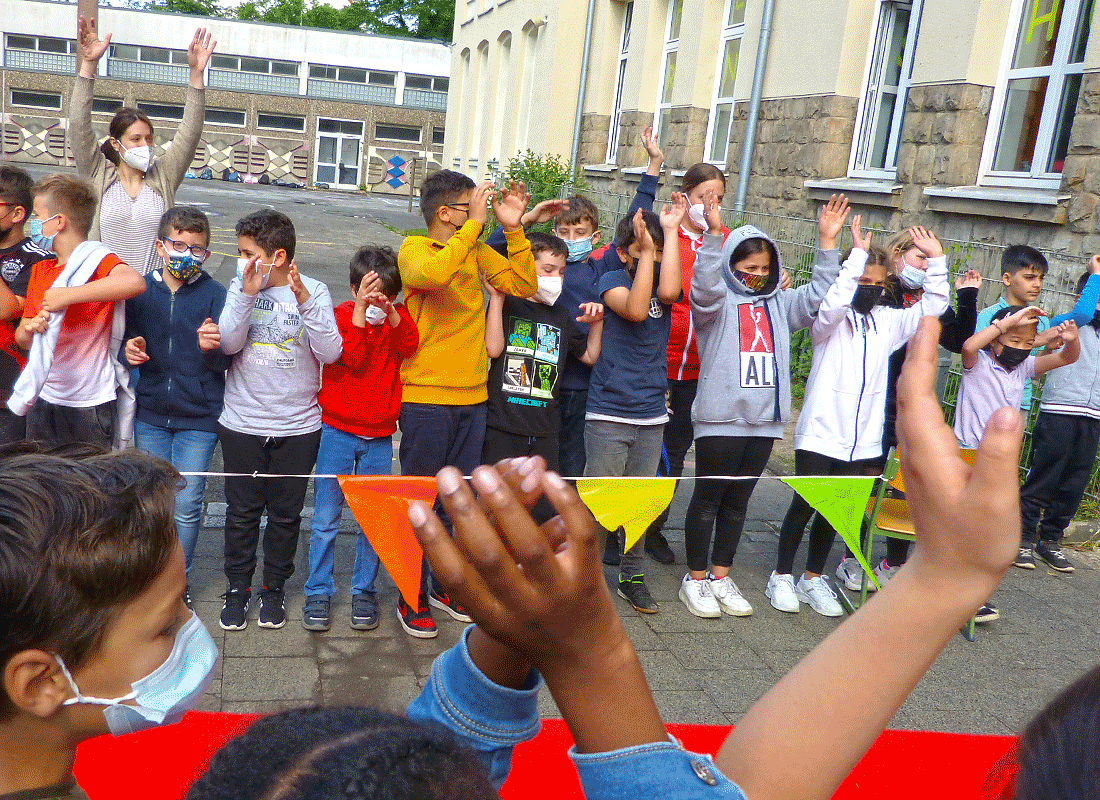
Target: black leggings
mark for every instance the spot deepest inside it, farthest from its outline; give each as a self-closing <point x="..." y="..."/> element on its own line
<point x="722" y="502"/>
<point x="822" y="534"/>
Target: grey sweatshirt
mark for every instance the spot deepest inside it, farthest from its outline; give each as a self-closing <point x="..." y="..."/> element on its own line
<point x="278" y="348"/>
<point x="1075" y="388"/>
<point x="744" y="339"/>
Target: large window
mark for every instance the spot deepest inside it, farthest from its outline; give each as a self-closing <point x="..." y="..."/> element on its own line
<point x="352" y="83"/>
<point x="718" y="127"/>
<point x="280" y="122"/>
<point x="30" y="99"/>
<point x="1036" y="94"/>
<point x="620" y="76"/>
<point x="260" y="75"/>
<point x="882" y="107"/>
<point x="39" y="53"/>
<point x="663" y="114"/>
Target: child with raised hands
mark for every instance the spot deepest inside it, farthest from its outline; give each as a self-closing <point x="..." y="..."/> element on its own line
<point x="539" y="591"/>
<point x="743" y="321"/>
<point x="840" y="429"/>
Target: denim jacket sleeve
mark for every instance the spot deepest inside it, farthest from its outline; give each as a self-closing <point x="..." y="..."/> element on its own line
<point x="486" y="717"/>
<point x="660" y="769"/>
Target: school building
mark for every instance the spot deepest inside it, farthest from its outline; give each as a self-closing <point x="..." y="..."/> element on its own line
<point x="293" y="103"/>
<point x="980" y="118"/>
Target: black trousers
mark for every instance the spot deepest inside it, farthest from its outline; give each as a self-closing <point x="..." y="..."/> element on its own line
<point x="678" y="436"/>
<point x="1063" y="451"/>
<point x="247" y="498"/>
<point x="55" y="424"/>
<point x="721" y="505"/>
<point x="500" y="444"/>
<point x="822" y="534"/>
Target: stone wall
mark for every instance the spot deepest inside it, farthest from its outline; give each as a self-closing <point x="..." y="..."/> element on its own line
<point x="1081" y="173"/>
<point x="686" y="136"/>
<point x="593" y="144"/>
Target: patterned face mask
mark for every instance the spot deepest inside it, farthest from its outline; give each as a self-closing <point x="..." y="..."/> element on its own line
<point x="754" y="283"/>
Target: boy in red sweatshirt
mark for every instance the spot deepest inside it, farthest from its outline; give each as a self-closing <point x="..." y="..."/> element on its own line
<point x="355" y="436"/>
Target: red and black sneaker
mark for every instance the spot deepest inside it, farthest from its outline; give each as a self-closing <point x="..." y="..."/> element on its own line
<point x="444" y="602"/>
<point x="418" y="621"/>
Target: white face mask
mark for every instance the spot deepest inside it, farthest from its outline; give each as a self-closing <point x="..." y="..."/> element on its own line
<point x="911" y="277"/>
<point x="375" y="315"/>
<point x="696" y="215"/>
<point x="549" y="289"/>
<point x="165" y="694"/>
<point x="138" y="157"/>
<point x="242" y="264"/>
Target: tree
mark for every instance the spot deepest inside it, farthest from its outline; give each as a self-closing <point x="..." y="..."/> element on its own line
<point x="202" y="8"/>
<point x="421" y="19"/>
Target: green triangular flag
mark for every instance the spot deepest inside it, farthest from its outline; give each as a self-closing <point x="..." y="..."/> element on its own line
<point x="842" y="501"/>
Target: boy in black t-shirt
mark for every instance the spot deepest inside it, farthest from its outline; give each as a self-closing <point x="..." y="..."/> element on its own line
<point x="17" y="255"/>
<point x="528" y="342"/>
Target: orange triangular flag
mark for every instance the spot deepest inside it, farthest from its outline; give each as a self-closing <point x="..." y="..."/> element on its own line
<point x="380" y="505"/>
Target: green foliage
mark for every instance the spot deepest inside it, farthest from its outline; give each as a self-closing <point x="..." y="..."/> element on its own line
<point x="543" y="175"/>
<point x="421" y="19"/>
<point x="202" y="8"/>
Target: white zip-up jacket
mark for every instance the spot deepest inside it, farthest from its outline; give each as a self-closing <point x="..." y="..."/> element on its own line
<point x="845" y="404"/>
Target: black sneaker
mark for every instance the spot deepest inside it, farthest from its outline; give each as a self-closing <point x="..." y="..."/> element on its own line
<point x="1025" y="559"/>
<point x="418" y="621"/>
<point x="235" y="608"/>
<point x="1053" y="555"/>
<point x="364" y="612"/>
<point x="657" y="546"/>
<point x="987" y="613"/>
<point x="444" y="602"/>
<point x="272" y="608"/>
<point x="187" y="599"/>
<point x="611" y="552"/>
<point x="315" y="613"/>
<point x="634" y="591"/>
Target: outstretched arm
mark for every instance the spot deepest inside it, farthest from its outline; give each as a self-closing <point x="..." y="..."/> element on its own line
<point x="81" y="136"/>
<point x="1071" y="349"/>
<point x="182" y="152"/>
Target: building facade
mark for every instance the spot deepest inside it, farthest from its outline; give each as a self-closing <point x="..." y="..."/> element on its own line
<point x="292" y="103"/>
<point x="980" y="118"/>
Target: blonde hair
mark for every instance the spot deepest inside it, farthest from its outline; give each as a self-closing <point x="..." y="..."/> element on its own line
<point x="73" y="197"/>
<point x="898" y="244"/>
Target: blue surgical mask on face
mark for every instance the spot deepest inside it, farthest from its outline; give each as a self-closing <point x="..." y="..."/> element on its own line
<point x="40" y="239"/>
<point x="165" y="694"/>
<point x="578" y="248"/>
<point x="911" y="277"/>
<point x="243" y="262"/>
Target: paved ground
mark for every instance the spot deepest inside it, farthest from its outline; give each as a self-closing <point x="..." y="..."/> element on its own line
<point x="700" y="670"/>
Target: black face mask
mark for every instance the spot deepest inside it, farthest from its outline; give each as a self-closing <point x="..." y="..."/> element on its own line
<point x="1011" y="357"/>
<point x="866" y="297"/>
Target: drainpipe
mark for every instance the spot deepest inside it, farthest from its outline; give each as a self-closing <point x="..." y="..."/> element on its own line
<point x="754" y="105"/>
<point x="582" y="87"/>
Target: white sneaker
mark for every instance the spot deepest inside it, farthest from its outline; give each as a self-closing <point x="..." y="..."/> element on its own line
<point x="883" y="572"/>
<point x="698" y="598"/>
<point x="850" y="573"/>
<point x="817" y="593"/>
<point x="729" y="597"/>
<point x="780" y="590"/>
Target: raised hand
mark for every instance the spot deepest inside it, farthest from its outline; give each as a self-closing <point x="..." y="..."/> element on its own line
<point x="368" y="285"/>
<point x="210" y="337"/>
<point x="649" y="142"/>
<point x="92" y="47"/>
<point x="510" y="205"/>
<point x="590" y="313"/>
<point x="926" y="242"/>
<point x="858" y="240"/>
<point x="785" y="282"/>
<point x="831" y="221"/>
<point x="672" y="216"/>
<point x="253" y="279"/>
<point x="478" y="209"/>
<point x="1022" y="317"/>
<point x="641" y="234"/>
<point x="544" y="212"/>
<point x="380" y="300"/>
<point x="135" y="351"/>
<point x="970" y="279"/>
<point x="712" y="212"/>
<point x="198" y="52"/>
<point x="294" y="278"/>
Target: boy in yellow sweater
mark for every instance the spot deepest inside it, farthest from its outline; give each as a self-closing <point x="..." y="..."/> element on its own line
<point x="443" y="384"/>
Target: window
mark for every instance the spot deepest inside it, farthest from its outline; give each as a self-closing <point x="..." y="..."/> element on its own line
<point x="1036" y="95"/>
<point x="345" y="127"/>
<point x="41" y="44"/>
<point x="40" y="53"/>
<point x="398" y="133"/>
<point x="162" y="110"/>
<point x="280" y="122"/>
<point x="471" y="9"/>
<point x="352" y="75"/>
<point x="22" y="97"/>
<point x="426" y="83"/>
<point x="721" y="115"/>
<point x="620" y="75"/>
<point x="219" y="116"/>
<point x="438" y="135"/>
<point x="354" y="84"/>
<point x="663" y="114"/>
<point x="150" y="55"/>
<point x="263" y="66"/>
<point x="105" y="105"/>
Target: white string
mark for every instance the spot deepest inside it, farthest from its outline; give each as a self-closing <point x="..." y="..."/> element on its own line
<point x="583" y="478"/>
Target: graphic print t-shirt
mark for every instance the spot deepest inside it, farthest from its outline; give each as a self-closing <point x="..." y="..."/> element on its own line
<point x="524" y="380"/>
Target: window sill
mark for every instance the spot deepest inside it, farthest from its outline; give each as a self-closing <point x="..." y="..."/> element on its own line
<point x="882" y="192"/>
<point x="604" y="169"/>
<point x="1030" y="205"/>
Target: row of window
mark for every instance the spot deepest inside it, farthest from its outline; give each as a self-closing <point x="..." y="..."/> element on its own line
<point x="287" y="123"/>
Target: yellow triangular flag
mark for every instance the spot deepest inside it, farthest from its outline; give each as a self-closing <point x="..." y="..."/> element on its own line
<point x="842" y="502"/>
<point x="633" y="504"/>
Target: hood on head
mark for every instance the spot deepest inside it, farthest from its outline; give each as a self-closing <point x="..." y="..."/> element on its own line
<point x="732" y="241"/>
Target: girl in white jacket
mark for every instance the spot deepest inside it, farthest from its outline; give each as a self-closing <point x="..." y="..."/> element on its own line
<point x="839" y="431"/>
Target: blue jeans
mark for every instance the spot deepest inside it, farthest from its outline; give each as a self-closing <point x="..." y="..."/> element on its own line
<point x="188" y="451"/>
<point x="342" y="453"/>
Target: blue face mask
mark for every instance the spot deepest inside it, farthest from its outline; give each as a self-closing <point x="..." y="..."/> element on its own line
<point x="165" y="694"/>
<point x="578" y="249"/>
<point x="911" y="277"/>
<point x="45" y="242"/>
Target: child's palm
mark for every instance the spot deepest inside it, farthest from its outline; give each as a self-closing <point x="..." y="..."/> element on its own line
<point x="833" y="216"/>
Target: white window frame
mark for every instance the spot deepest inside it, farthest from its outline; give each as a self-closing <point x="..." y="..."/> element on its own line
<point x="620" y="76"/>
<point x="671" y="48"/>
<point x="1056" y="73"/>
<point x="867" y="112"/>
<point x="729" y="32"/>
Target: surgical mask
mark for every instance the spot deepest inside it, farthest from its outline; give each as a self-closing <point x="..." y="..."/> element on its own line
<point x="911" y="277"/>
<point x="242" y="263"/>
<point x="578" y="248"/>
<point x="183" y="266"/>
<point x="1011" y="357"/>
<point x="696" y="215"/>
<point x="138" y="157"/>
<point x="865" y="298"/>
<point x="754" y="283"/>
<point x="549" y="289"/>
<point x="165" y="694"/>
<point x="39" y="238"/>
<point x="375" y="315"/>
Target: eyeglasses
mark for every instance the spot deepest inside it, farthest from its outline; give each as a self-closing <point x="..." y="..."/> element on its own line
<point x="458" y="206"/>
<point x="183" y="247"/>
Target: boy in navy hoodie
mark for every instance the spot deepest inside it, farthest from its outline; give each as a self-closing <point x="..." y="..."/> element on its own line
<point x="172" y="340"/>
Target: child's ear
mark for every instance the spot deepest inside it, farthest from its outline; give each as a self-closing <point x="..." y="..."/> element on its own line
<point x="1006" y="278"/>
<point x="596" y="238"/>
<point x="162" y="251"/>
<point x="19" y="215"/>
<point x="35" y="684"/>
<point x="280" y="259"/>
